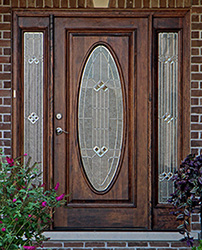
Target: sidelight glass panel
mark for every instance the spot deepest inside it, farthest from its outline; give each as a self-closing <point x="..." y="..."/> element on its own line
<point x="33" y="96"/>
<point x="100" y="118"/>
<point x="167" y="112"/>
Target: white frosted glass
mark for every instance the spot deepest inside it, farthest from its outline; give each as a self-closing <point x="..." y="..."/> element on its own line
<point x="33" y="97"/>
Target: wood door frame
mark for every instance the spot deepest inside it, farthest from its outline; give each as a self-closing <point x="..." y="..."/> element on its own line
<point x="47" y="28"/>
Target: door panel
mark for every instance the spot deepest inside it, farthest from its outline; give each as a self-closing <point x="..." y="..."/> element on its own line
<point x="124" y="203"/>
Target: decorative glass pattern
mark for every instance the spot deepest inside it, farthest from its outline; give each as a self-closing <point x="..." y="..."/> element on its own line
<point x="167" y="111"/>
<point x="33" y="96"/>
<point x="100" y="118"/>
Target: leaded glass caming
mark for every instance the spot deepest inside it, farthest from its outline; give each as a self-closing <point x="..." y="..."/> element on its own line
<point x="33" y="96"/>
<point x="167" y="112"/>
<point x="100" y="118"/>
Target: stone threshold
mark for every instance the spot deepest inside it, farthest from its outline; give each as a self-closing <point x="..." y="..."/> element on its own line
<point x="116" y="236"/>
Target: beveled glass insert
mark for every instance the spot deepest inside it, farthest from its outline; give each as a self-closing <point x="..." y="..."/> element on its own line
<point x="33" y="96"/>
<point x="100" y="118"/>
<point x="167" y="112"/>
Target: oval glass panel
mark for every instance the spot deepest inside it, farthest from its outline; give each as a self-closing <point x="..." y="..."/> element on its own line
<point x="100" y="118"/>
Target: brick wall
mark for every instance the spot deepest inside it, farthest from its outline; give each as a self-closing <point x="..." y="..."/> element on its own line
<point x="196" y="92"/>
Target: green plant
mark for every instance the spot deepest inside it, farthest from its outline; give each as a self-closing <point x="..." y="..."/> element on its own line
<point x="187" y="196"/>
<point x="26" y="208"/>
<point x="199" y="247"/>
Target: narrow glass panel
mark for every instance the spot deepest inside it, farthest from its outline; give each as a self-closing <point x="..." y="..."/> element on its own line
<point x="100" y="118"/>
<point x="167" y="112"/>
<point x="33" y="96"/>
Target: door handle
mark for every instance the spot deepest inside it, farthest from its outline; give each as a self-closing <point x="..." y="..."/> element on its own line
<point x="59" y="131"/>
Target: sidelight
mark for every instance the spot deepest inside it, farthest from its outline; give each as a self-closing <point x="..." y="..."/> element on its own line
<point x="33" y="96"/>
<point x="167" y="111"/>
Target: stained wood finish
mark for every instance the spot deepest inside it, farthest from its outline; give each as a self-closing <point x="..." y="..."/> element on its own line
<point x="162" y="217"/>
<point x="131" y="35"/>
<point x="125" y="204"/>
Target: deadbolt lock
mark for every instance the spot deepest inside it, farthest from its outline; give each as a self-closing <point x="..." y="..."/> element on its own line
<point x="58" y="116"/>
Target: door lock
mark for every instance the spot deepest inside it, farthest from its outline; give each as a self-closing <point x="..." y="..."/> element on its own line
<point x="59" y="131"/>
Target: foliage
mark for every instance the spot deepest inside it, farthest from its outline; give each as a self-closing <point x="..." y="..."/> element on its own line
<point x="26" y="209"/>
<point x="187" y="196"/>
<point x="199" y="247"/>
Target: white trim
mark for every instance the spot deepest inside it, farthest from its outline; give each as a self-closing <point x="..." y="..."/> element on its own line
<point x="116" y="236"/>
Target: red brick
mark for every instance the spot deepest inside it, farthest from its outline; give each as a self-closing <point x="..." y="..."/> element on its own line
<point x="6" y="34"/>
<point x="195" y="2"/>
<point x="195" y="52"/>
<point x="129" y="4"/>
<point x="73" y="244"/>
<point x="7" y="84"/>
<point x="194" y="151"/>
<point x="195" y="217"/>
<point x="89" y="4"/>
<point x="196" y="126"/>
<point x="154" y="3"/>
<point x="7" y="101"/>
<point x="7" y="51"/>
<point x="5" y="59"/>
<point x="159" y="244"/>
<point x="5" y="110"/>
<point x="7" y="118"/>
<point x="22" y="3"/>
<point x="179" y="244"/>
<point x="7" y="135"/>
<point x="195" y="34"/>
<point x="179" y="4"/>
<point x="5" y="93"/>
<point x="196" y="226"/>
<point x="56" y="4"/>
<point x="196" y="143"/>
<point x="5" y="43"/>
<point x="7" y="18"/>
<point x="197" y="92"/>
<point x="194" y="101"/>
<point x="196" y="59"/>
<point x="39" y="3"/>
<point x="195" y="76"/>
<point x="187" y="3"/>
<point x="162" y="3"/>
<point x="194" y="118"/>
<point x="195" y="18"/>
<point x="94" y="244"/>
<point x="138" y="4"/>
<point x="7" y="151"/>
<point x="5" y="26"/>
<point x="116" y="244"/>
<point x="72" y="4"/>
<point x="6" y="143"/>
<point x="14" y="3"/>
<point x="194" y="68"/>
<point x="5" y="126"/>
<point x="197" y="110"/>
<point x="146" y="248"/>
<point x="196" y="26"/>
<point x="6" y="2"/>
<point x="196" y="9"/>
<point x="31" y="3"/>
<point x="137" y="244"/>
<point x="81" y="3"/>
<point x="5" y="76"/>
<point x="194" y="135"/>
<point x="7" y="68"/>
<point x="64" y="3"/>
<point x="196" y="43"/>
<point x="52" y="244"/>
<point x="146" y="3"/>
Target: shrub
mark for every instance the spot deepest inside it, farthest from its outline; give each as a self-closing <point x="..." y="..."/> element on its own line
<point x="26" y="208"/>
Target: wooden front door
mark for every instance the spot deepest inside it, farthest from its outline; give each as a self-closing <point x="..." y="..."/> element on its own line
<point x="100" y="90"/>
